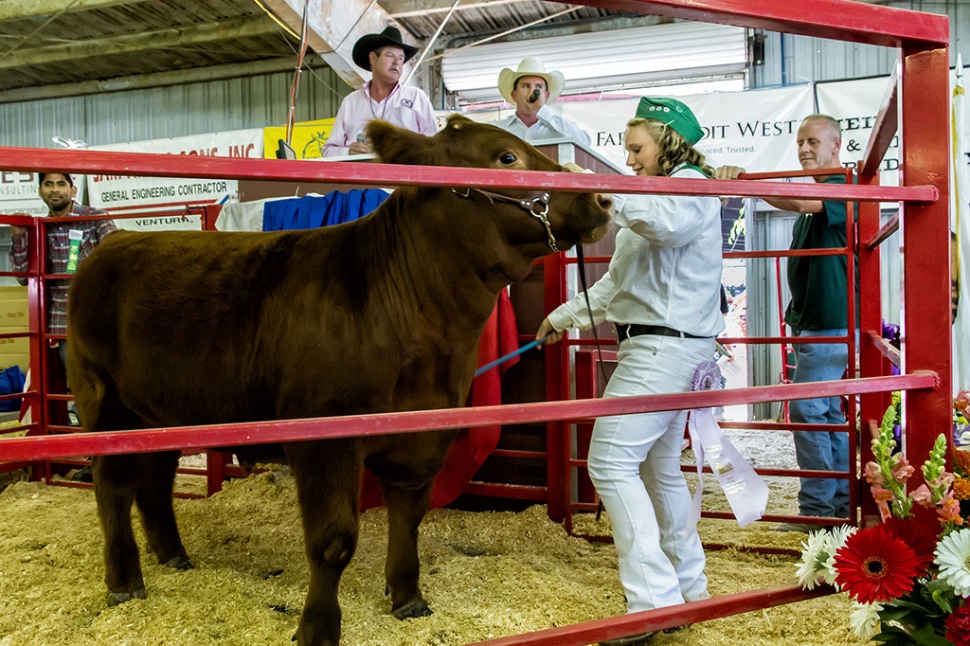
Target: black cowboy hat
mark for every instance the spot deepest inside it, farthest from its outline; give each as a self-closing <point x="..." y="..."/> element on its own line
<point x="390" y="36"/>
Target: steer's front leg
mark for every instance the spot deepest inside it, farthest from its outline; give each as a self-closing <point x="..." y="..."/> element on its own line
<point x="327" y="482"/>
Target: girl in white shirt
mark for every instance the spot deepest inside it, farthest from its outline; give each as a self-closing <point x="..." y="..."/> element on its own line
<point x="662" y="293"/>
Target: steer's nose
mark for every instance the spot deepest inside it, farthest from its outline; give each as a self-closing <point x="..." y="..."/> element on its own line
<point x="605" y="200"/>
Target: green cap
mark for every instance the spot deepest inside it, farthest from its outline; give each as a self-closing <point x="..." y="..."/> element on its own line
<point x="673" y="113"/>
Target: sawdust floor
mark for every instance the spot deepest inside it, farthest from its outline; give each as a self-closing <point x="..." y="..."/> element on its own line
<point x="485" y="574"/>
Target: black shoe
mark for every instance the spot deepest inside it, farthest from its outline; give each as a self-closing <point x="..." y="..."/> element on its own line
<point x="633" y="640"/>
<point x="82" y="475"/>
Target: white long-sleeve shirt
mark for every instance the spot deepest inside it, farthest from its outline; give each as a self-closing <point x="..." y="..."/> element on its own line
<point x="549" y="126"/>
<point x="666" y="269"/>
<point x="406" y="106"/>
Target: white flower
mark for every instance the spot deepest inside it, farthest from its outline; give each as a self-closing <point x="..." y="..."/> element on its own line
<point x="964" y="440"/>
<point x="837" y="535"/>
<point x="815" y="553"/>
<point x="864" y="618"/>
<point x="952" y="556"/>
<point x="835" y="539"/>
<point x="828" y="572"/>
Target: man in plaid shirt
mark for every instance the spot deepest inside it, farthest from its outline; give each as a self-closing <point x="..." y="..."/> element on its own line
<point x="67" y="244"/>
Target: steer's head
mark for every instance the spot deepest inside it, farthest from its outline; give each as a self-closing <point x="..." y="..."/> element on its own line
<point x="572" y="217"/>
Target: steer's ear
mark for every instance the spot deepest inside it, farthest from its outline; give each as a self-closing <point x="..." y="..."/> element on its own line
<point x="394" y="145"/>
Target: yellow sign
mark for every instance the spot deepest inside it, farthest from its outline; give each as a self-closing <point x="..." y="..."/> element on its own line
<point x="307" y="140"/>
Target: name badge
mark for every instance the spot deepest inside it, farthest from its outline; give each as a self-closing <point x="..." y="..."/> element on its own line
<point x="407" y="103"/>
<point x="75" y="238"/>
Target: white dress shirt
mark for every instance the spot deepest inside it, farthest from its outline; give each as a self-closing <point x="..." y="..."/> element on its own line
<point x="666" y="269"/>
<point x="549" y="126"/>
<point x="407" y="107"/>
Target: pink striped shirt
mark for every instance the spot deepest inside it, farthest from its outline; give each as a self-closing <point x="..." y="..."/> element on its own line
<point x="407" y="106"/>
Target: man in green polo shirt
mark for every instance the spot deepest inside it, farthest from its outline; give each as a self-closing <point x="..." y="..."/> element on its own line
<point x="818" y="307"/>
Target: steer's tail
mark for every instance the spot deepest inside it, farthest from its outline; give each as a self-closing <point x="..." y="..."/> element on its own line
<point x="89" y="389"/>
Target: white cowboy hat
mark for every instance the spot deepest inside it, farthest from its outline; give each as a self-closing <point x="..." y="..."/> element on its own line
<point x="531" y="66"/>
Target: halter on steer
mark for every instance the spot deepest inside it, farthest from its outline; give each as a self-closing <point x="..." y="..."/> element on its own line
<point x="529" y="205"/>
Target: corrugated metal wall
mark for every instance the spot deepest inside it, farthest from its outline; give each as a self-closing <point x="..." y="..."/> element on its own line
<point x="155" y="113"/>
<point x="117" y="117"/>
<point x="791" y="60"/>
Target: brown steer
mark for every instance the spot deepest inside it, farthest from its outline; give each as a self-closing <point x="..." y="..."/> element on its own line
<point x="382" y="314"/>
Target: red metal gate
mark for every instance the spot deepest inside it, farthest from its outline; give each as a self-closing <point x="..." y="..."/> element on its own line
<point x="922" y="42"/>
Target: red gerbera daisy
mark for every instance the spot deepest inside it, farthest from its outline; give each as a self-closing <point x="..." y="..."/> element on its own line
<point x="920" y="537"/>
<point x="874" y="565"/>
<point x="958" y="626"/>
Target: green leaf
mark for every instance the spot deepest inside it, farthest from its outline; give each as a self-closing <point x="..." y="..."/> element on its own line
<point x="928" y="635"/>
<point x="907" y="603"/>
<point x="899" y="611"/>
<point x="942" y="599"/>
<point x="942" y="594"/>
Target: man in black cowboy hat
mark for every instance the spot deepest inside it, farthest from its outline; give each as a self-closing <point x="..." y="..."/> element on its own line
<point x="383" y="97"/>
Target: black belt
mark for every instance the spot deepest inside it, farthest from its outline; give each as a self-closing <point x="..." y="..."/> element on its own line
<point x="624" y="332"/>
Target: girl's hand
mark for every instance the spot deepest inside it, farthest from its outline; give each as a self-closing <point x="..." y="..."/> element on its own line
<point x="546" y="330"/>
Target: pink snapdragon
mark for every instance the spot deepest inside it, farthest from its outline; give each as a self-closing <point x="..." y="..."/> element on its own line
<point x="902" y="470"/>
<point x="873" y="474"/>
<point x="949" y="510"/>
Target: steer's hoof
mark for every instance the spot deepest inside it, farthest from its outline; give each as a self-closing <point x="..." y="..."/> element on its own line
<point x="413" y="610"/>
<point x="117" y="598"/>
<point x="179" y="563"/>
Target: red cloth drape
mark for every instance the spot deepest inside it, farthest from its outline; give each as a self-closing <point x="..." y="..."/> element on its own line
<point x="472" y="446"/>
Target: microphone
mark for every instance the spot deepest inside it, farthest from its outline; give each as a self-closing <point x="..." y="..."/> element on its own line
<point x="535" y="95"/>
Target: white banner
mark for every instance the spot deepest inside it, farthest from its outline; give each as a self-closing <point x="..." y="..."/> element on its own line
<point x="855" y="104"/>
<point x="127" y="194"/>
<point x="754" y="129"/>
<point x="18" y="193"/>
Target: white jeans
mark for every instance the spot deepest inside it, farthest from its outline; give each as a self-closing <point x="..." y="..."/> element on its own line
<point x="634" y="462"/>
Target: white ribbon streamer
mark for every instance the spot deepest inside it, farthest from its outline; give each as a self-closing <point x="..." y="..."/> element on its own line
<point x="746" y="492"/>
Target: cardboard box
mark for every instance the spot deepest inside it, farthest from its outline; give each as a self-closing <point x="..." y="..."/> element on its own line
<point x="13" y="318"/>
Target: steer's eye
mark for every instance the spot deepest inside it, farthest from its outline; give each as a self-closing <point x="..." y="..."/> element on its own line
<point x="508" y="158"/>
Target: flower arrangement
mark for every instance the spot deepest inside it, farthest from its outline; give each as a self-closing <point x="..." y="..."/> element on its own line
<point x="909" y="580"/>
<point x="961" y="458"/>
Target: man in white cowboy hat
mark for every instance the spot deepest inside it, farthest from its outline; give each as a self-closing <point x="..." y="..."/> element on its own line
<point x="383" y="97"/>
<point x="530" y="88"/>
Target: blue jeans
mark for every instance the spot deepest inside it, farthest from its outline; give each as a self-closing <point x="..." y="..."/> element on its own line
<point x="62" y="351"/>
<point x="821" y="450"/>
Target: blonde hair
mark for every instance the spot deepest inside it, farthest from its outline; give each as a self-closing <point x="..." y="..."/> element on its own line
<point x="674" y="149"/>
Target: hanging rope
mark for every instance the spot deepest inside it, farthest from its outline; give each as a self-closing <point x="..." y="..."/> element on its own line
<point x="294" y="88"/>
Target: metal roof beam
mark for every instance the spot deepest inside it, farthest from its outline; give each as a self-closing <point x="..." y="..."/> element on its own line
<point x="333" y="28"/>
<point x="836" y="19"/>
<point x="163" y="39"/>
<point x="157" y="79"/>
<point x="20" y="9"/>
<point x="412" y="8"/>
